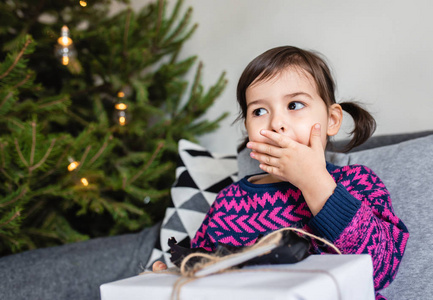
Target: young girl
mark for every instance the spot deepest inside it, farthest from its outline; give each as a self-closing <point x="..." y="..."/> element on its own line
<point x="287" y="101"/>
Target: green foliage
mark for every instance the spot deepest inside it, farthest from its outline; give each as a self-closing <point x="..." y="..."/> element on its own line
<point x="52" y="114"/>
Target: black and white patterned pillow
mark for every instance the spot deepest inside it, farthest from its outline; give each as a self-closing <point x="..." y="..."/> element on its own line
<point x="200" y="175"/>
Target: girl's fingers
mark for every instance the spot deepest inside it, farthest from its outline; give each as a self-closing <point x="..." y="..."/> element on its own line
<point x="264" y="158"/>
<point x="264" y="148"/>
<point x="279" y="139"/>
<point x="270" y="169"/>
<point x="159" y="266"/>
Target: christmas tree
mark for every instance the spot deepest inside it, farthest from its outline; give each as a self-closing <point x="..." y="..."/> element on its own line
<point x="92" y="106"/>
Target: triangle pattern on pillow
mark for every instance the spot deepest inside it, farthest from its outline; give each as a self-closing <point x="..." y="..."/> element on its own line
<point x="200" y="175"/>
<point x="209" y="196"/>
<point x="217" y="187"/>
<point x="180" y="195"/>
<point x="168" y="214"/>
<point x="185" y="180"/>
<point x="197" y="203"/>
<point x="175" y="223"/>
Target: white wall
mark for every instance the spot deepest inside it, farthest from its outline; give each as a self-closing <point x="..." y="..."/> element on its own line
<point x="381" y="52"/>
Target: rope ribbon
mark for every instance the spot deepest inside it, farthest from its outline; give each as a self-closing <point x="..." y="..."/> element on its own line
<point x="188" y="275"/>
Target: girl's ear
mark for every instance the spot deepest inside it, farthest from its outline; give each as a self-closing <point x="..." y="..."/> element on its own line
<point x="335" y="119"/>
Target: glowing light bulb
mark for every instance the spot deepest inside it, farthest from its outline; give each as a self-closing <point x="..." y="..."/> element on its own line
<point x="121" y="115"/>
<point x="65" y="60"/>
<point x="64" y="48"/>
<point x="122" y="121"/>
<point x="73" y="165"/>
<point x="83" y="3"/>
<point x="64" y="39"/>
<point x="84" y="181"/>
<point x="121" y="106"/>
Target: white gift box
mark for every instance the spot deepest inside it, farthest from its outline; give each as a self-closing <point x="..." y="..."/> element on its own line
<point x="345" y="277"/>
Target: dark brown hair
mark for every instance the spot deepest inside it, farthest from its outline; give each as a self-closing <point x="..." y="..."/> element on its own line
<point x="275" y="60"/>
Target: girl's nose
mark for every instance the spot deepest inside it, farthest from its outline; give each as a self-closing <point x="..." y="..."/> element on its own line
<point x="279" y="124"/>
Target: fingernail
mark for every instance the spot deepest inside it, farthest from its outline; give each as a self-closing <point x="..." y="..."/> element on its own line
<point x="248" y="145"/>
<point x="317" y="126"/>
<point x="263" y="132"/>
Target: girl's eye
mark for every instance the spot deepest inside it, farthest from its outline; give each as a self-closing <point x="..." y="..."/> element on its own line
<point x="296" y="105"/>
<point x="259" y="112"/>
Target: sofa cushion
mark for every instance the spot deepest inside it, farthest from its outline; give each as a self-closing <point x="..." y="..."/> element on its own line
<point x="200" y="175"/>
<point x="406" y="168"/>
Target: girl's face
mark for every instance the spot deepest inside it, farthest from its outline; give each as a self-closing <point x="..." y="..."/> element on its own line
<point x="289" y="103"/>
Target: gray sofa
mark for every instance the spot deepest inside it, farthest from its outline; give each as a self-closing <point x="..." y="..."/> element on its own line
<point x="75" y="271"/>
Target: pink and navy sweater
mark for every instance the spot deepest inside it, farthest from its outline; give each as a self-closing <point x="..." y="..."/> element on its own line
<point x="357" y="218"/>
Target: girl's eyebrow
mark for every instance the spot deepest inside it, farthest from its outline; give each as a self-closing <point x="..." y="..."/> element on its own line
<point x="291" y="95"/>
<point x="256" y="102"/>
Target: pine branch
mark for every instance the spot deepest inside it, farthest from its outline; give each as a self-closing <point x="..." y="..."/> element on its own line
<point x="172" y="18"/>
<point x="32" y="152"/>
<point x="149" y="162"/>
<point x="160" y="14"/>
<point x="20" y="196"/>
<point x="44" y="158"/>
<point x="126" y="32"/>
<point x="14" y="242"/>
<point x="18" y="57"/>
<point x="53" y="103"/>
<point x="25" y="80"/>
<point x="23" y="160"/>
<point x="83" y="157"/>
<point x="5" y="99"/>
<point x="17" y="214"/>
<point x="59" y="162"/>
<point x="181" y="28"/>
<point x="101" y="150"/>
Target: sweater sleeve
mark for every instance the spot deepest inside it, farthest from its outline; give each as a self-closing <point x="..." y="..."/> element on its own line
<point x="359" y="218"/>
<point x="202" y="238"/>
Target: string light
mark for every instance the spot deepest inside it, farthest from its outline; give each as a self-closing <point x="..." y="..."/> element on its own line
<point x="64" y="48"/>
<point x="122" y="118"/>
<point x="83" y="3"/>
<point x="121" y="115"/>
<point x="73" y="164"/>
<point x="84" y="181"/>
<point x="121" y="106"/>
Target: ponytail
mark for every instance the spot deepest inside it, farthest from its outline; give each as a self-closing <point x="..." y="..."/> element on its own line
<point x="365" y="125"/>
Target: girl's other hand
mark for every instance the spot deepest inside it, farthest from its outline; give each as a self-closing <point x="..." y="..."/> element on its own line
<point x="159" y="266"/>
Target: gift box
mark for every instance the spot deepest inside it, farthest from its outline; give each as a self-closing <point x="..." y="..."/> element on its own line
<point x="345" y="277"/>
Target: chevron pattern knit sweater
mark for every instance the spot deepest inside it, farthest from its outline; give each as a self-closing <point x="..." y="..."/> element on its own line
<point x="357" y="218"/>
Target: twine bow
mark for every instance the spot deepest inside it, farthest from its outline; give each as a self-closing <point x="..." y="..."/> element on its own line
<point x="191" y="272"/>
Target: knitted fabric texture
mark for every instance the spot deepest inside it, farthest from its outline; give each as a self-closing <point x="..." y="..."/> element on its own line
<point x="357" y="218"/>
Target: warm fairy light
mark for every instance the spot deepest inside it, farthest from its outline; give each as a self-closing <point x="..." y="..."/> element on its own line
<point x="73" y="165"/>
<point x="121" y="106"/>
<point x="122" y="121"/>
<point x="65" y="60"/>
<point x="120" y="114"/>
<point x="84" y="181"/>
<point x="64" y="39"/>
<point x="65" y="50"/>
<point x="83" y="3"/>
